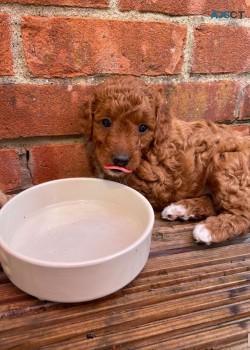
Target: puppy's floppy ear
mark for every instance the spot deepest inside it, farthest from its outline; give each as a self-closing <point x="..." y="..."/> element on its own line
<point x="87" y="120"/>
<point x="162" y="119"/>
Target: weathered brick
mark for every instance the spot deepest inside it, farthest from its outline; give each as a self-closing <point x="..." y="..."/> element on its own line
<point x="245" y="108"/>
<point x="185" y="7"/>
<point x="221" y="49"/>
<point x="67" y="47"/>
<point x="76" y="3"/>
<point x="210" y="100"/>
<point x="41" y="110"/>
<point x="10" y="173"/>
<point x="57" y="161"/>
<point x="6" y="62"/>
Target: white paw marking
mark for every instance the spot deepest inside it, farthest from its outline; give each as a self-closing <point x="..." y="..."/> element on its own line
<point x="174" y="211"/>
<point x="202" y="234"/>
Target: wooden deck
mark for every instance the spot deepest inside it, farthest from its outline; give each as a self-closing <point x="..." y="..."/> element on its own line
<point x="188" y="296"/>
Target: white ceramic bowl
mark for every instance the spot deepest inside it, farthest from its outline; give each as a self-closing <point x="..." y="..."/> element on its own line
<point x="76" y="239"/>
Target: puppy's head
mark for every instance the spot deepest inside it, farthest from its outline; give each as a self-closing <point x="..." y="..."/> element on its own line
<point x="122" y="119"/>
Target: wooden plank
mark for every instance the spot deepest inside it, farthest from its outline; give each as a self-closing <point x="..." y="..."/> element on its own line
<point x="155" y="312"/>
<point x="238" y="345"/>
<point x="9" y="292"/>
<point x="176" y="235"/>
<point x="166" y="329"/>
<point x="143" y="282"/>
<point x="184" y="305"/>
<point x="122" y="300"/>
<point x="192" y="259"/>
<point x="211" y="338"/>
<point x="184" y="242"/>
<point x="16" y="309"/>
<point x="187" y="294"/>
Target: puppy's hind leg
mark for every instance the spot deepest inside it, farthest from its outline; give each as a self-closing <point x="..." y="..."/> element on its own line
<point x="229" y="181"/>
<point x="186" y="209"/>
<point x="220" y="228"/>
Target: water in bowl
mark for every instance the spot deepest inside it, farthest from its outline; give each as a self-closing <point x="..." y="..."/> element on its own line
<point x="75" y="231"/>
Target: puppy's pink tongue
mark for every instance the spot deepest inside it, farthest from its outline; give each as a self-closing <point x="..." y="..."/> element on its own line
<point x="115" y="167"/>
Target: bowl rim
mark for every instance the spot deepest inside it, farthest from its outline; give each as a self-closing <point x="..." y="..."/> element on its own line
<point x="86" y="263"/>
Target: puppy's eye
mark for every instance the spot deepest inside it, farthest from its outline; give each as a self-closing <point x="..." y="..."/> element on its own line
<point x="106" y="122"/>
<point x="142" y="128"/>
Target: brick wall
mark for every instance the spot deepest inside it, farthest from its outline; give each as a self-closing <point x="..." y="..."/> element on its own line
<point x="53" y="51"/>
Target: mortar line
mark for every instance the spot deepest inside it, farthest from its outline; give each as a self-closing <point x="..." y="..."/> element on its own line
<point x="25" y="143"/>
<point x="239" y="101"/>
<point x="188" y="53"/>
<point x="113" y="13"/>
<point x="114" y="5"/>
<point x="20" y="67"/>
<point x="95" y="79"/>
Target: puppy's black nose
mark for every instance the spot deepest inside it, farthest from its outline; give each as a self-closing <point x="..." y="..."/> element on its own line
<point x="120" y="160"/>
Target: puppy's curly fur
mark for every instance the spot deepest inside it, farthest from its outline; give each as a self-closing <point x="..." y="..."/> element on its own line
<point x="197" y="169"/>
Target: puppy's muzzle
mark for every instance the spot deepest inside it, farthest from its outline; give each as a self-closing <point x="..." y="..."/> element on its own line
<point x="119" y="164"/>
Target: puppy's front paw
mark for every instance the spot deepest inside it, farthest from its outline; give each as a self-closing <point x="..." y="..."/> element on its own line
<point x="175" y="211"/>
<point x="202" y="234"/>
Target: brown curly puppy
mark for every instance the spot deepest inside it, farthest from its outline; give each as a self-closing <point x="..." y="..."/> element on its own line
<point x="194" y="170"/>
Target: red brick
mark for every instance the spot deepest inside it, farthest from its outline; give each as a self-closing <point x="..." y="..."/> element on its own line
<point x="41" y="110"/>
<point x="58" y="161"/>
<point x="221" y="49"/>
<point x="210" y="100"/>
<point x="6" y="62"/>
<point x="245" y="108"/>
<point x="76" y="3"/>
<point x="10" y="172"/>
<point x="185" y="7"/>
<point x="67" y="47"/>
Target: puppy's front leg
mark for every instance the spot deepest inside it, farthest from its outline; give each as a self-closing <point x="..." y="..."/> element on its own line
<point x="186" y="209"/>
